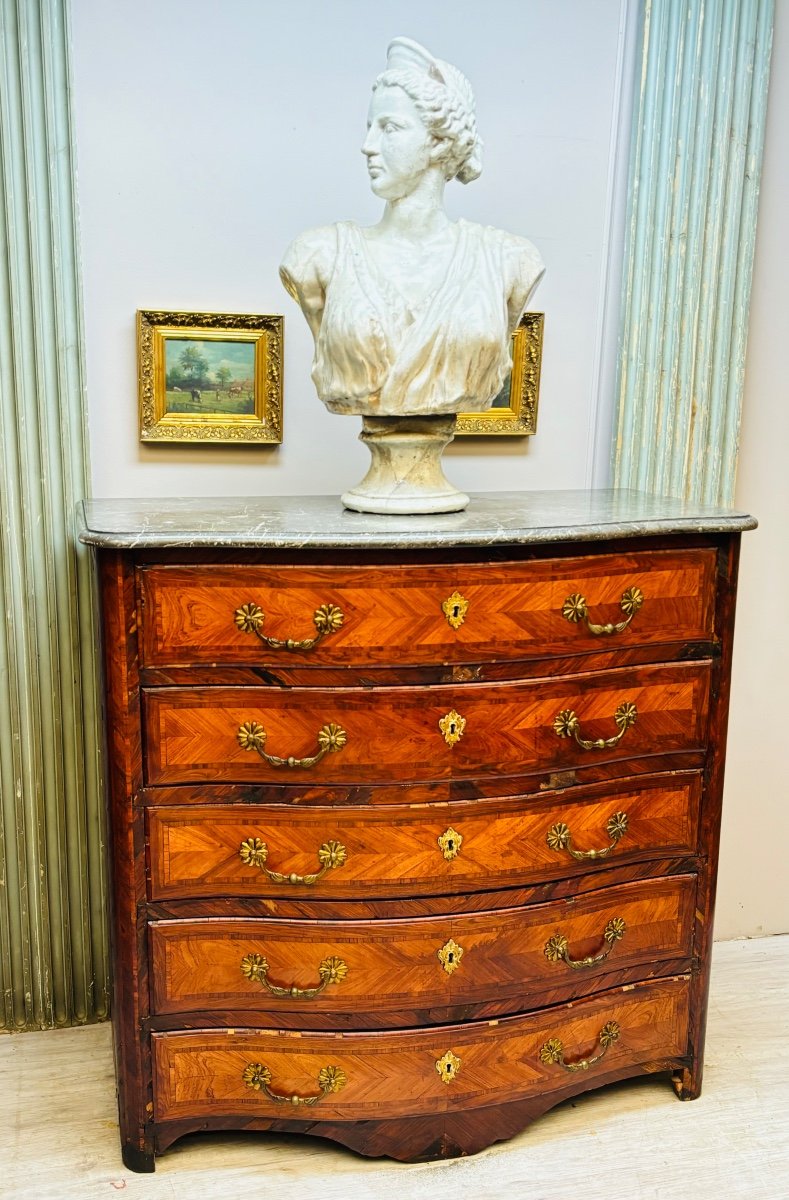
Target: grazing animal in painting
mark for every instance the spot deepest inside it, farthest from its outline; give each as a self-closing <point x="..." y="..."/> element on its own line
<point x="196" y="395"/>
<point x="175" y="389"/>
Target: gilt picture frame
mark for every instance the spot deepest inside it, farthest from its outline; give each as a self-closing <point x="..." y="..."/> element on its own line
<point x="207" y="378"/>
<point x="514" y="411"/>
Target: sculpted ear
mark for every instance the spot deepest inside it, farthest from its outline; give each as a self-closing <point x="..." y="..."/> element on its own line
<point x="439" y="149"/>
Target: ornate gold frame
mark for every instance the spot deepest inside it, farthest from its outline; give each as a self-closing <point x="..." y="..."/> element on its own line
<point x="159" y="425"/>
<point x="519" y="419"/>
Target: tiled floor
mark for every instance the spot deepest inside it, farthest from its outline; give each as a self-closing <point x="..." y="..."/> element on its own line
<point x="634" y="1141"/>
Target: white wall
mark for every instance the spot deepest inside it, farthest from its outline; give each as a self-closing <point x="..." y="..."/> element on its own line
<point x="208" y="134"/>
<point x="753" y="890"/>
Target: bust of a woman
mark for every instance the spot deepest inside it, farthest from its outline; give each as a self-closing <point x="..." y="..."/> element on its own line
<point x="413" y="316"/>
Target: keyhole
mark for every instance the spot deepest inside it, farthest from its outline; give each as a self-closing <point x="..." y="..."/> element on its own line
<point x="456" y="611"/>
<point x="451" y="844"/>
<point x="452" y="727"/>
<point x="451" y="956"/>
<point x="448" y="1068"/>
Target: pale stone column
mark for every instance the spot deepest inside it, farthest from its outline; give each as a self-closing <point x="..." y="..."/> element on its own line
<point x="53" y="964"/>
<point x="698" y="132"/>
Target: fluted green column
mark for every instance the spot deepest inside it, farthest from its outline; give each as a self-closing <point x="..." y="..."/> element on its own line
<point x="698" y="132"/>
<point x="53" y="964"/>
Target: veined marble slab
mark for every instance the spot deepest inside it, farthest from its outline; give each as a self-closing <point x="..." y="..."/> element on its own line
<point x="317" y="522"/>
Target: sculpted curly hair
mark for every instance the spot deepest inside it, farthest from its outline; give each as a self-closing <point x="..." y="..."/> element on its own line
<point x="445" y="102"/>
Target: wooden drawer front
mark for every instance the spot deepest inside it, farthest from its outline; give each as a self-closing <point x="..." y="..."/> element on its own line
<point x="515" y="610"/>
<point x="356" y="1076"/>
<point x="206" y="734"/>
<point x="196" y="850"/>
<point x="356" y="966"/>
<point x="519" y="952"/>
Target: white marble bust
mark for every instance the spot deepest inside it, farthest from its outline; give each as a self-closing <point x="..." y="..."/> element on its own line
<point x="413" y="316"/>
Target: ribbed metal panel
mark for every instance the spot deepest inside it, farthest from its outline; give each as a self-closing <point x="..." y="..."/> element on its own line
<point x="698" y="133"/>
<point x="53" y="929"/>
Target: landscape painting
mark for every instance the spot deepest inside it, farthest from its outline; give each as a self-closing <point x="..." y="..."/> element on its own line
<point x="209" y="377"/>
<point x="514" y="410"/>
<point x="204" y="376"/>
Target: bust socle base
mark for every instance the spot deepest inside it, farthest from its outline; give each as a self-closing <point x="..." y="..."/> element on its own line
<point x="406" y="475"/>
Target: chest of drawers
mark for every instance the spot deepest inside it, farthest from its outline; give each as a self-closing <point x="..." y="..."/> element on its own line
<point x="414" y="821"/>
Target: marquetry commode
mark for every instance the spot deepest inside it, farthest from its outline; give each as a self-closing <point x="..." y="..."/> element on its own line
<point x="414" y="820"/>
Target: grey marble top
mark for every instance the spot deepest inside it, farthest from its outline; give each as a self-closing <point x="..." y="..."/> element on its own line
<point x="317" y="522"/>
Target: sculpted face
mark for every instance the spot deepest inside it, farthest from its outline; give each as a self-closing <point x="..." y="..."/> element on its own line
<point x="398" y="147"/>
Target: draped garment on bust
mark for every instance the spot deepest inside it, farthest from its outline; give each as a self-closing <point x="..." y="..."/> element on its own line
<point x="376" y="354"/>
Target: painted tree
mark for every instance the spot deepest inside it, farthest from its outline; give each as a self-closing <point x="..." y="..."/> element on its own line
<point x="223" y="376"/>
<point x="193" y="363"/>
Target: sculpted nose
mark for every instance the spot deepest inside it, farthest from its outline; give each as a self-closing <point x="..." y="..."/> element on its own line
<point x="370" y="142"/>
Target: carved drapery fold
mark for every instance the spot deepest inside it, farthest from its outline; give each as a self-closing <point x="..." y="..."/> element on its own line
<point x="698" y="133"/>
<point x="53" y="960"/>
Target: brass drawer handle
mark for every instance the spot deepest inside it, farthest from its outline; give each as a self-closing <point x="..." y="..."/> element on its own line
<point x="566" y="724"/>
<point x="556" y="948"/>
<point x="327" y="619"/>
<point x="575" y="609"/>
<point x="255" y="968"/>
<point x="454" y="609"/>
<point x="560" y="838"/>
<point x="258" y="1077"/>
<point x="552" y="1052"/>
<point x="253" y="853"/>
<point x="252" y="736"/>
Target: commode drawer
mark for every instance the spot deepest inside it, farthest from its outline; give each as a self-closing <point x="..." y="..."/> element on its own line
<point x="356" y="616"/>
<point x="324" y="966"/>
<point x="398" y="850"/>
<point x="354" y="735"/>
<point x="358" y="1076"/>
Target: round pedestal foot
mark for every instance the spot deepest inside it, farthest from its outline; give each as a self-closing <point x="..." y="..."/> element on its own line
<point x="406" y="475"/>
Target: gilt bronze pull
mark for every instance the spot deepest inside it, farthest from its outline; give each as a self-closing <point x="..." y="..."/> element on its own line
<point x="560" y="838"/>
<point x="255" y="968"/>
<point x="552" y="1052"/>
<point x="327" y="619"/>
<point x="252" y="736"/>
<point x="258" y="1077"/>
<point x="253" y="853"/>
<point x="556" y="948"/>
<point x="566" y="724"/>
<point x="575" y="609"/>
